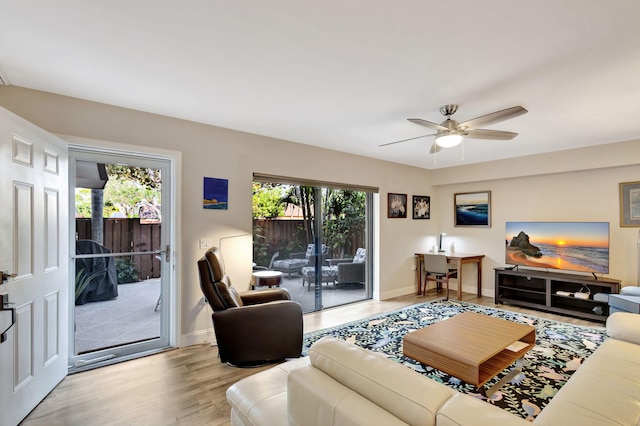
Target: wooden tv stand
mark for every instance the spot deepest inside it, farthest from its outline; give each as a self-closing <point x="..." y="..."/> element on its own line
<point x="539" y="290"/>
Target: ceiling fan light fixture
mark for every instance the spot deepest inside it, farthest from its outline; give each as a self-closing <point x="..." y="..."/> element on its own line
<point x="449" y="140"/>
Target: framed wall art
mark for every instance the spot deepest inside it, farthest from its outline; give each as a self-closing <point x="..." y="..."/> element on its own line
<point x="396" y="205"/>
<point x="630" y="204"/>
<point x="215" y="194"/>
<point x="421" y="207"/>
<point x="472" y="209"/>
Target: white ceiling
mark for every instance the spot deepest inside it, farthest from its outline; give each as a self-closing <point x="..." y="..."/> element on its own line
<point x="344" y="74"/>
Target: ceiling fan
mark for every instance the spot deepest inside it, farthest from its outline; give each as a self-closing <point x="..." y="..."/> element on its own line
<point x="450" y="133"/>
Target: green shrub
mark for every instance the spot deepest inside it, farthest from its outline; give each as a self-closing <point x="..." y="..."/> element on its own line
<point x="127" y="272"/>
<point x="82" y="281"/>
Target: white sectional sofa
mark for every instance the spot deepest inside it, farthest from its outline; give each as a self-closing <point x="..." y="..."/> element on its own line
<point x="342" y="384"/>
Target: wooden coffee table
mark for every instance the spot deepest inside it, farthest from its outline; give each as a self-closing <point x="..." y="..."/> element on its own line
<point x="472" y="347"/>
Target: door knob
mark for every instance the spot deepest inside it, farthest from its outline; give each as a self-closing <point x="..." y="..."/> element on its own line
<point x="4" y="306"/>
<point x="6" y="275"/>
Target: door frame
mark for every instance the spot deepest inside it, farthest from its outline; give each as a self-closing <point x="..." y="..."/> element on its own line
<point x="171" y="300"/>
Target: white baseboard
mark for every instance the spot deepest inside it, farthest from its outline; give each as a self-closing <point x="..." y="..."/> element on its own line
<point x="198" y="337"/>
<point x="488" y="292"/>
<point x="397" y="292"/>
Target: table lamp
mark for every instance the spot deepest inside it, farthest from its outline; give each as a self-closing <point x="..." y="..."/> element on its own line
<point x="440" y="250"/>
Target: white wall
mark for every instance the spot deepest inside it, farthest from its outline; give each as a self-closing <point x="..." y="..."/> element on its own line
<point x="222" y="153"/>
<point x="572" y="185"/>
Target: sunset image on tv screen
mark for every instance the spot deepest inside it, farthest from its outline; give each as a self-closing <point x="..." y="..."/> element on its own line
<point x="573" y="246"/>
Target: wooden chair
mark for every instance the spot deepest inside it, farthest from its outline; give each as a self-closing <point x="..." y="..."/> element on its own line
<point x="437" y="269"/>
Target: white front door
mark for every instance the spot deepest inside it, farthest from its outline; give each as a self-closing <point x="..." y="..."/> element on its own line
<point x="33" y="248"/>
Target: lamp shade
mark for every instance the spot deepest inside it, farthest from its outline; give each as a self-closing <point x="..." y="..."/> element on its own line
<point x="448" y="140"/>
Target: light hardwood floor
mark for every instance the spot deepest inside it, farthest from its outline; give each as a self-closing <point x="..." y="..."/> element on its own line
<point x="187" y="386"/>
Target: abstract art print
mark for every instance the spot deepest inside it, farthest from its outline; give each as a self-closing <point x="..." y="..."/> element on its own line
<point x="421" y="207"/>
<point x="215" y="194"/>
<point x="472" y="209"/>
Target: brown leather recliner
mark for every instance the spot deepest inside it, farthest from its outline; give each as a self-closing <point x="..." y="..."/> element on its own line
<point x="251" y="327"/>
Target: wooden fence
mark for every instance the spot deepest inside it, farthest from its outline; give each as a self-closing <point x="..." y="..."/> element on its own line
<point x="127" y="235"/>
<point x="282" y="233"/>
<point x="278" y="231"/>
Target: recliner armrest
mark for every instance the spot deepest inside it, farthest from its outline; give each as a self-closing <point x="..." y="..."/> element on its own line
<point x="264" y="296"/>
<point x="257" y="314"/>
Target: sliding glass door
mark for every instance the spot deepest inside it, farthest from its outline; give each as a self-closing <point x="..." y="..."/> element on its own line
<point x="317" y="236"/>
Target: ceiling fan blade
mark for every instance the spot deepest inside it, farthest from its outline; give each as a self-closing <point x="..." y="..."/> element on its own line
<point x="428" y="124"/>
<point x="405" y="140"/>
<point x="490" y="134"/>
<point x="494" y="117"/>
<point x="435" y="148"/>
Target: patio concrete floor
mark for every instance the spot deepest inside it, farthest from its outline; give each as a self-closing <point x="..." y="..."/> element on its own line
<point x="131" y="316"/>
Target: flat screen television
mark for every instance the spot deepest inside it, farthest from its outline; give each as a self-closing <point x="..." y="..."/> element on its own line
<point x="569" y="246"/>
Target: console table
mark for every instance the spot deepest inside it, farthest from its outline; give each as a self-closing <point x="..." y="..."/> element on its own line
<point x="554" y="291"/>
<point x="459" y="259"/>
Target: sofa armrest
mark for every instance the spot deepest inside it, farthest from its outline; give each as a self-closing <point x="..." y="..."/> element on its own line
<point x="351" y="272"/>
<point x="351" y="267"/>
<point x="256" y="297"/>
<point x="624" y="326"/>
<point x="466" y="410"/>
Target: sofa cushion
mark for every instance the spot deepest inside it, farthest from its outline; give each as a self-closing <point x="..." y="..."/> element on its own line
<point x="630" y="290"/>
<point x="399" y="390"/>
<point x="603" y="391"/>
<point x="311" y="250"/>
<point x="360" y="256"/>
<point x="314" y="398"/>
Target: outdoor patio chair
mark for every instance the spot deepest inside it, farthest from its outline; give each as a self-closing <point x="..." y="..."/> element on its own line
<point x="252" y="327"/>
<point x="350" y="271"/>
<point x="297" y="261"/>
<point x="267" y="268"/>
<point x="329" y="274"/>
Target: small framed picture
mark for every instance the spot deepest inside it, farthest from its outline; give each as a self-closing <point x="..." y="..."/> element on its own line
<point x="472" y="209"/>
<point x="630" y="204"/>
<point x="421" y="207"/>
<point x="396" y="205"/>
<point x="215" y="194"/>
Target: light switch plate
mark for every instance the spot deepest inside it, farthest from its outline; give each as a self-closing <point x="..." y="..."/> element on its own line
<point x="205" y="243"/>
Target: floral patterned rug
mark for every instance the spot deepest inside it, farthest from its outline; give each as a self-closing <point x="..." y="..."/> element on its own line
<point x="560" y="350"/>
